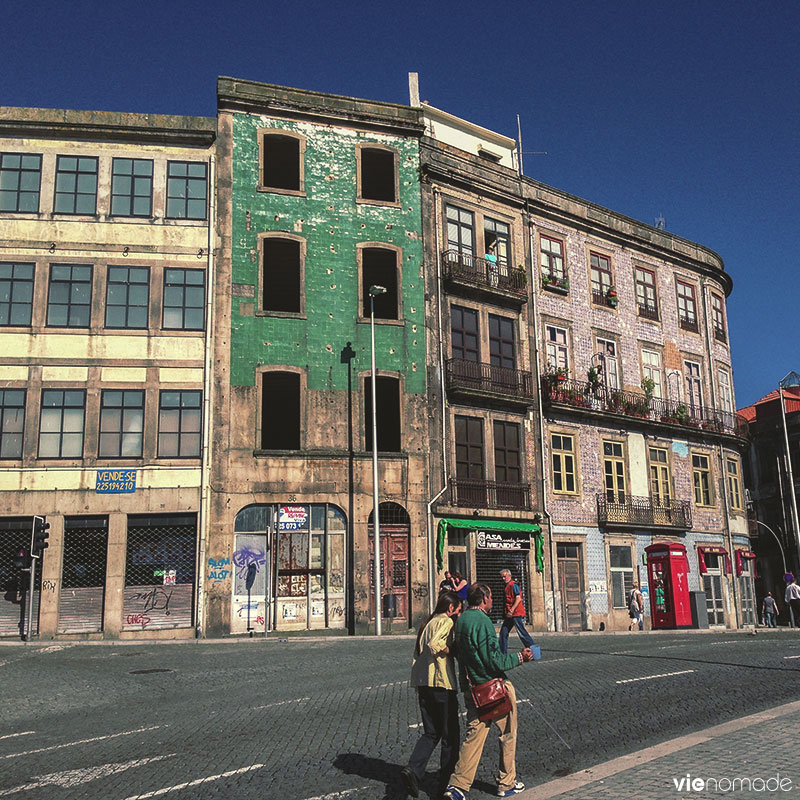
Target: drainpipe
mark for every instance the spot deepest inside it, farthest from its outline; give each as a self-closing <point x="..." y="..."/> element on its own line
<point x="431" y="532"/>
<point x="542" y="438"/>
<point x="205" y="467"/>
<point x="720" y="455"/>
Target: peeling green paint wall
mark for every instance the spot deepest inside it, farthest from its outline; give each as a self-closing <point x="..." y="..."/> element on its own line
<point x="332" y="224"/>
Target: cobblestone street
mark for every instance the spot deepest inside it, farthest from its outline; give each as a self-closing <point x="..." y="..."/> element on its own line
<point x="335" y="718"/>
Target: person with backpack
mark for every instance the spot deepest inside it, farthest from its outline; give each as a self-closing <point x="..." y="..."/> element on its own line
<point x="636" y="609"/>
<point x="433" y="675"/>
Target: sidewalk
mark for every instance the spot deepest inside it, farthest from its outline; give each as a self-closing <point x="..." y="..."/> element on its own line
<point x="754" y="756"/>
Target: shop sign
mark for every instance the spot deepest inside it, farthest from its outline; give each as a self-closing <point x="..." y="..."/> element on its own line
<point x="503" y="540"/>
<point x="115" y="481"/>
<point x="292" y="518"/>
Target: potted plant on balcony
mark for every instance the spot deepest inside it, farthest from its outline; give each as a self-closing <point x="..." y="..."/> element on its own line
<point x="681" y="414"/>
<point x="520" y="271"/>
<point x="612" y="298"/>
<point x="616" y="401"/>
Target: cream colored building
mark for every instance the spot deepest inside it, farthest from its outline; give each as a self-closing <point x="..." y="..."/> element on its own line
<point x="106" y="256"/>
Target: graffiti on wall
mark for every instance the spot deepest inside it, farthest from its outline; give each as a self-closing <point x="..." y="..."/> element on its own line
<point x="219" y="569"/>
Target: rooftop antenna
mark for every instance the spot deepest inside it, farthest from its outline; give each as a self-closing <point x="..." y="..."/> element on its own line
<point x="661" y="223"/>
<point x="520" y="151"/>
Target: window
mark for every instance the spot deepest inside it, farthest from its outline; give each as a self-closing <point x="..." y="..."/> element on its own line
<point x="387" y="400"/>
<point x="179" y="424"/>
<point x="687" y="307"/>
<point x="131" y="187"/>
<point x="280" y="411"/>
<point x="614" y="471"/>
<point x="718" y="317"/>
<point x="600" y="273"/>
<point x="607" y="349"/>
<point x="701" y="477"/>
<point x="184" y="299"/>
<point x="282" y="270"/>
<point x="20" y="177"/>
<point x="507" y="461"/>
<point x="464" y="337"/>
<point x="734" y="484"/>
<point x="725" y="395"/>
<point x="121" y="424"/>
<point x="556" y="348"/>
<point x="69" y="301"/>
<point x="651" y="368"/>
<point x="551" y="258"/>
<point x="16" y="293"/>
<point x="621" y="566"/>
<point x="377" y="174"/>
<point x="660" y="479"/>
<point x="282" y="162"/>
<point x="496" y="241"/>
<point x="502" y="347"/>
<point x="694" y="385"/>
<point x="646" y="293"/>
<point x="61" y="423"/>
<point x="379" y="268"/>
<point x="12" y="422"/>
<point x="460" y="230"/>
<point x="187" y="190"/>
<point x="469" y="448"/>
<point x="562" y="451"/>
<point x="76" y="185"/>
<point x="127" y="297"/>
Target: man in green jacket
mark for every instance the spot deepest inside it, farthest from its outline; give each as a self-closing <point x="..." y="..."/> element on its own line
<point x="480" y="658"/>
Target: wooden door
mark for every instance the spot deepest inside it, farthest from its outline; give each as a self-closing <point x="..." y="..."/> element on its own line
<point x="570" y="584"/>
<point x="394" y="568"/>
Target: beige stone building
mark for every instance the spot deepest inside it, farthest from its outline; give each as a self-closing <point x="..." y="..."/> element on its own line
<point x="106" y="257"/>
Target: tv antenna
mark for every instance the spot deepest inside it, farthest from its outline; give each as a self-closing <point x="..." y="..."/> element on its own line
<point x="661" y="223"/>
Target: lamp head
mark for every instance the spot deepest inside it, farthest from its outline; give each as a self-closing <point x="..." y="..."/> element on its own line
<point x="376" y="290"/>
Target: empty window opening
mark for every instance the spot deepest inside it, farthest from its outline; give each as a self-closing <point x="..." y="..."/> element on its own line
<point x="280" y="411"/>
<point x="281" y="162"/>
<point x="379" y="268"/>
<point x="387" y="399"/>
<point x="377" y="175"/>
<point x="281" y="273"/>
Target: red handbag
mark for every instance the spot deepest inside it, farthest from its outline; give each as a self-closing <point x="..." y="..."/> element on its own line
<point x="491" y="699"/>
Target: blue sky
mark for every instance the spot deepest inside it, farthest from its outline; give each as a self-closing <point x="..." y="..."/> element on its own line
<point x="689" y="110"/>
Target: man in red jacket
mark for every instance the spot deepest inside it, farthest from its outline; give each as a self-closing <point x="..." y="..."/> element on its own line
<point x="514" y="613"/>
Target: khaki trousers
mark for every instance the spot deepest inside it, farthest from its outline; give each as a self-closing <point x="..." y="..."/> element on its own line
<point x="472" y="749"/>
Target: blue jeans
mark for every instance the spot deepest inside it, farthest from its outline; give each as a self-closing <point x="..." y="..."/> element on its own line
<point x="519" y="624"/>
<point x="770" y="617"/>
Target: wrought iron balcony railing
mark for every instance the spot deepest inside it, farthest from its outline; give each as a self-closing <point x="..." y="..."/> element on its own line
<point x="469" y="493"/>
<point x="484" y="273"/>
<point x="688" y="324"/>
<point x="644" y="511"/>
<point x="476" y="376"/>
<point x="719" y="334"/>
<point x="558" y="283"/>
<point x="632" y="404"/>
<point x="648" y="312"/>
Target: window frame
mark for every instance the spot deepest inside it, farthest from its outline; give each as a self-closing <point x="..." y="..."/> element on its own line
<point x="261" y="284"/>
<point x="659" y="473"/>
<point x="180" y="433"/>
<point x="5" y="410"/>
<point x="617" y="383"/>
<point x="183" y="307"/>
<point x="15" y="284"/>
<point x="733" y="480"/>
<point x="725" y="389"/>
<point x="61" y="432"/>
<point x="643" y="289"/>
<point x="122" y="432"/>
<point x="504" y="425"/>
<point x="619" y="465"/>
<point x="72" y="283"/>
<point x="471" y="447"/>
<point x="718" y="318"/>
<point x="693" y="379"/>
<point x="564" y="455"/>
<point x="75" y="193"/>
<point x="555" y="348"/>
<point x="264" y="133"/>
<point x="600" y="296"/>
<point x="20" y="170"/>
<point x="261" y="379"/>
<point x="648" y="370"/>
<point x="359" y="149"/>
<point x="363" y="300"/>
<point x="628" y="575"/>
<point x="703" y="494"/>
<point x="461" y="225"/>
<point x="186" y="198"/>
<point x="491" y="224"/>
<point x="686" y="299"/>
<point x="547" y="271"/>
<point x="463" y="332"/>
<point x="128" y="284"/>
<point x="131" y="196"/>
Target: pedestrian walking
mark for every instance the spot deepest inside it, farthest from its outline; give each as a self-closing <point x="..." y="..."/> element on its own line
<point x="433" y="676"/>
<point x="480" y="660"/>
<point x="513" y="612"/>
<point x="636" y="609"/>
<point x="792" y="598"/>
<point x="769" y="611"/>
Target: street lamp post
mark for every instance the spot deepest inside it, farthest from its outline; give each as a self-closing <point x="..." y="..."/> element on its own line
<point x="792" y="379"/>
<point x="783" y="558"/>
<point x="374" y="291"/>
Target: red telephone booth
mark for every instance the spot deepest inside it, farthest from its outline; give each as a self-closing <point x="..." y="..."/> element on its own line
<point x="668" y="572"/>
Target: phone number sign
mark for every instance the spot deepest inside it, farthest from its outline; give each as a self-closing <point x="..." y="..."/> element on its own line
<point x="115" y="481"/>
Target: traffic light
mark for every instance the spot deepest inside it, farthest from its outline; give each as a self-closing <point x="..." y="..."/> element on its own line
<point x="41" y="534"/>
<point x="22" y="560"/>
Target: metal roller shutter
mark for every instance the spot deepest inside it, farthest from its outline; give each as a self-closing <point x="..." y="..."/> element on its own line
<point x="487" y="570"/>
<point x="15" y="533"/>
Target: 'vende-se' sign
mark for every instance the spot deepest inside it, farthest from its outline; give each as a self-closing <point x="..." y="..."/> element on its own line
<point x="115" y="481"/>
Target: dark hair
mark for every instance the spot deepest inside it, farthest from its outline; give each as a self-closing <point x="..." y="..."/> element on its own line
<point x="458" y="576"/>
<point x="446" y="599"/>
<point x="477" y="593"/>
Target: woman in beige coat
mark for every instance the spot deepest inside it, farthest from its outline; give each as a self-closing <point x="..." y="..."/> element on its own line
<point x="433" y="675"/>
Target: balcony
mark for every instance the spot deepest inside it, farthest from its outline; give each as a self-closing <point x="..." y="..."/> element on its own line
<point x="648" y="312"/>
<point x="719" y="334"/>
<point x="602" y="400"/>
<point x="555" y="283"/>
<point x="688" y="324"/>
<point x="644" y="512"/>
<point x="485" y="277"/>
<point x="497" y="385"/>
<point x="468" y="493"/>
